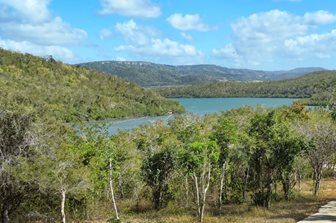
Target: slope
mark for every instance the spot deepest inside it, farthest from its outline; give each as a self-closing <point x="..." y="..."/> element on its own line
<point x="70" y="93"/>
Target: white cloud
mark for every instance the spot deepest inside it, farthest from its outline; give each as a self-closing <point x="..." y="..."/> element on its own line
<point x="146" y="41"/>
<point x="134" y="33"/>
<point x="105" y="34"/>
<point x="29" y="26"/>
<point x="34" y="10"/>
<point x="136" y="8"/>
<point x="227" y="52"/>
<point x="120" y="59"/>
<point x="186" y="36"/>
<point x="321" y="45"/>
<point x="28" y="47"/>
<point x="188" y="22"/>
<point x="50" y="32"/>
<point x="320" y="18"/>
<point x="162" y="47"/>
<point x="263" y="38"/>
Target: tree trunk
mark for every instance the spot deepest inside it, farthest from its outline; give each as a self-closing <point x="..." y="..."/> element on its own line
<point x="120" y="187"/>
<point x="317" y="179"/>
<point x="220" y="196"/>
<point x="204" y="193"/>
<point x="197" y="195"/>
<point x="112" y="191"/>
<point x="63" y="192"/>
<point x="299" y="181"/>
<point x="187" y="191"/>
<point x="245" y="183"/>
<point x="5" y="215"/>
<point x="269" y="190"/>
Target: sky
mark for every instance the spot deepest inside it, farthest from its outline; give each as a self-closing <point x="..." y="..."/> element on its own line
<point x="254" y="34"/>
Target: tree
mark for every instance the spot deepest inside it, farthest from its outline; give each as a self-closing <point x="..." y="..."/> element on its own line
<point x="224" y="134"/>
<point x="198" y="160"/>
<point x="156" y="171"/>
<point x="287" y="145"/>
<point x="62" y="172"/>
<point x="320" y="138"/>
<point x="262" y="159"/>
<point x="16" y="144"/>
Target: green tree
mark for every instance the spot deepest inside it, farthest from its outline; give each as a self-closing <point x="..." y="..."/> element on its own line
<point x="262" y="159"/>
<point x="287" y="145"/>
<point x="198" y="160"/>
<point x="225" y="135"/>
<point x="16" y="145"/>
<point x="157" y="171"/>
<point x="320" y="137"/>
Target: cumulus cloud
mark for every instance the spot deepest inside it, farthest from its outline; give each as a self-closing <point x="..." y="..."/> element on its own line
<point x="136" y="8"/>
<point x="318" y="44"/>
<point x="134" y="33"/>
<point x="319" y="18"/>
<point x="188" y="22"/>
<point x="28" y="47"/>
<point x="50" y="32"/>
<point x="28" y="26"/>
<point x="105" y="34"/>
<point x="34" y="10"/>
<point x="268" y="36"/>
<point x="186" y="36"/>
<point x="146" y="41"/>
<point x="162" y="47"/>
<point x="227" y="52"/>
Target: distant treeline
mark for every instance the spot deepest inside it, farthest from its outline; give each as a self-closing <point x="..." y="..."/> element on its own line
<point x="151" y="74"/>
<point x="317" y="87"/>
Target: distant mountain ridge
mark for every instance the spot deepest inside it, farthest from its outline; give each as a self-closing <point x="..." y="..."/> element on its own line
<point x="151" y="74"/>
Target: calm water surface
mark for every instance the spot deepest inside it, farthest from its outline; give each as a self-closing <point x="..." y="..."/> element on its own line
<point x="200" y="106"/>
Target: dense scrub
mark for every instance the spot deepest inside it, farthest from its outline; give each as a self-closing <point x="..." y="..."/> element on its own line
<point x="194" y="166"/>
<point x="71" y="93"/>
<point x="318" y="87"/>
<point x="151" y="74"/>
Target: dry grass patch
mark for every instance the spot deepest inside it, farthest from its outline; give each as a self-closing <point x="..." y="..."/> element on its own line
<point x="303" y="205"/>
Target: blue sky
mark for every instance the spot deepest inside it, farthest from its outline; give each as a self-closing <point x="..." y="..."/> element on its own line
<point x="256" y="34"/>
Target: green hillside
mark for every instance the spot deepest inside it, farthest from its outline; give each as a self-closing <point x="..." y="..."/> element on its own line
<point x="317" y="86"/>
<point x="151" y="74"/>
<point x="70" y="93"/>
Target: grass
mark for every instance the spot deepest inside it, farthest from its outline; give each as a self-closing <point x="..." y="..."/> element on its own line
<point x="303" y="205"/>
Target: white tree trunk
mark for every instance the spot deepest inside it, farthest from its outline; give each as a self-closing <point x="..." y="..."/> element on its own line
<point x="204" y="193"/>
<point x="112" y="191"/>
<point x="197" y="195"/>
<point x="187" y="191"/>
<point x="221" y="186"/>
<point x="63" y="192"/>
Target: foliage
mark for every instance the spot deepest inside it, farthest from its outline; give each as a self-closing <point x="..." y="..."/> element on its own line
<point x="150" y="74"/>
<point x="70" y="93"/>
<point x="318" y="87"/>
<point x="88" y="175"/>
<point x="16" y="145"/>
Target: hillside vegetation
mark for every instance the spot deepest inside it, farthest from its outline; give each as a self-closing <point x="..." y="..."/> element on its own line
<point x="70" y="93"/>
<point x="151" y="74"/>
<point x="317" y="86"/>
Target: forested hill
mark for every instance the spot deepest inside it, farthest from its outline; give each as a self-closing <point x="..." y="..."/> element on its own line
<point x="151" y="74"/>
<point x="318" y="86"/>
<point x="70" y="93"/>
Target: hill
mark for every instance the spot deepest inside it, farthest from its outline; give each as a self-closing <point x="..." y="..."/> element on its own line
<point x="67" y="92"/>
<point x="151" y="74"/>
<point x="318" y="86"/>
